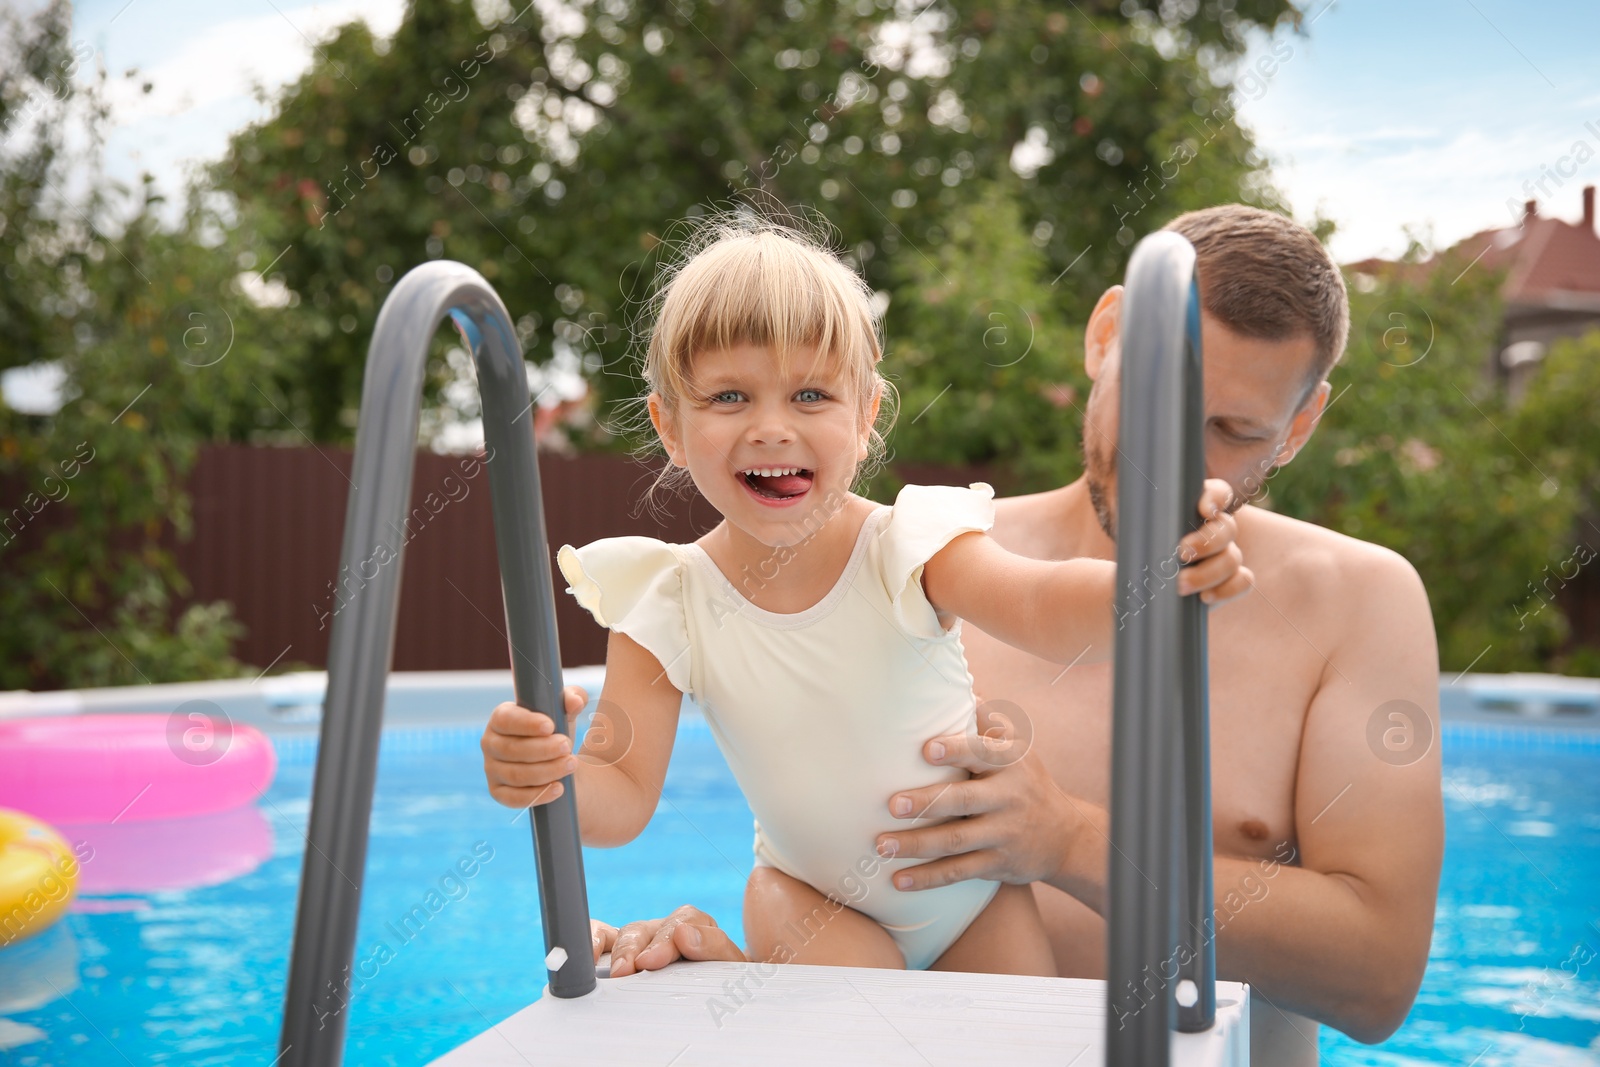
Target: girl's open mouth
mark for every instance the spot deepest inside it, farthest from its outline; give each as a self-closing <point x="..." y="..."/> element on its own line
<point x="777" y="486"/>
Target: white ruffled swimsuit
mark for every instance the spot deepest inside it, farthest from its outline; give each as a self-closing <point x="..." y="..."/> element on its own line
<point x="821" y="714"/>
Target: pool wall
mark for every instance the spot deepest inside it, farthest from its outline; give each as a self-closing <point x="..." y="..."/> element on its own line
<point x="1517" y="709"/>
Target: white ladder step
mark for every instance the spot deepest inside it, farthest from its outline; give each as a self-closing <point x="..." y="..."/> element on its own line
<point x="738" y="1014"/>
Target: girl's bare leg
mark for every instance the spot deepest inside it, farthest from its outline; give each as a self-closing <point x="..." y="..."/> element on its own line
<point x="787" y="921"/>
<point x="1007" y="937"/>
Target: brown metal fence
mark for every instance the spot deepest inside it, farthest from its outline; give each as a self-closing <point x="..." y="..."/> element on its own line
<point x="268" y="523"/>
<point x="267" y="529"/>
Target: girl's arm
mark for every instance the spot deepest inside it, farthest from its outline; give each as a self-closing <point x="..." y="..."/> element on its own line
<point x="1059" y="611"/>
<point x="623" y="762"/>
<point x="1063" y="610"/>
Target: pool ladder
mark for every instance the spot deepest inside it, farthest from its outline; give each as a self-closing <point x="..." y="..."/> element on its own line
<point x="1160" y="878"/>
<point x="362" y="646"/>
<point x="1160" y="890"/>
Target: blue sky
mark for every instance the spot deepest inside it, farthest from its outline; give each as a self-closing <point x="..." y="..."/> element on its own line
<point x="1430" y="113"/>
<point x="1387" y="113"/>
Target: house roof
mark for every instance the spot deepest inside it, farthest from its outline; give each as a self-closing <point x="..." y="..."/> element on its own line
<point x="1547" y="261"/>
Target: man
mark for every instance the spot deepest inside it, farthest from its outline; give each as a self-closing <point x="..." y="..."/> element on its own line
<point x="1328" y="823"/>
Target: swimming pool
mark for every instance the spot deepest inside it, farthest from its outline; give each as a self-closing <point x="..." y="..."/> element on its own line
<point x="196" y="976"/>
<point x="1514" y="969"/>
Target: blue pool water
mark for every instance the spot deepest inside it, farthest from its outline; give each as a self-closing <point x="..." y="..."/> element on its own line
<point x="1514" y="970"/>
<point x="196" y="976"/>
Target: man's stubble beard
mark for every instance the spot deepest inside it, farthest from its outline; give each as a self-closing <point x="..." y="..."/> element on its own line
<point x="1099" y="468"/>
<point x="1102" y="508"/>
<point x="1098" y="496"/>
<point x="1105" y="506"/>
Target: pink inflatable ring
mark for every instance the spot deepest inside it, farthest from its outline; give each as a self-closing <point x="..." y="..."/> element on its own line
<point x="104" y="768"/>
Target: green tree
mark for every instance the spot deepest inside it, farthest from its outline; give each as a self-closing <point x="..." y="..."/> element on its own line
<point x="554" y="154"/>
<point x="1555" y="423"/>
<point x="37" y="64"/>
<point x="1417" y="453"/>
<point x="94" y="493"/>
<point x="986" y="369"/>
<point x="554" y="150"/>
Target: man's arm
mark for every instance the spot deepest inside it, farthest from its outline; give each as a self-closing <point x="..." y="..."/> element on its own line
<point x="1343" y="938"/>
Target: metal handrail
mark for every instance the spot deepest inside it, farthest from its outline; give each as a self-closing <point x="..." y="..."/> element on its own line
<point x="1161" y="959"/>
<point x="362" y="646"/>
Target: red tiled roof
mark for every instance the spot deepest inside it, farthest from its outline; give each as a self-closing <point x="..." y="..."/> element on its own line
<point x="1543" y="259"/>
<point x="1566" y="259"/>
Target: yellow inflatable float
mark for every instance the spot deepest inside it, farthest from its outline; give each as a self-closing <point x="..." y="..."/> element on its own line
<point x="38" y="876"/>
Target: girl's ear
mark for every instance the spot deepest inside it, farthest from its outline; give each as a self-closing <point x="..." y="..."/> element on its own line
<point x="872" y="420"/>
<point x="661" y="419"/>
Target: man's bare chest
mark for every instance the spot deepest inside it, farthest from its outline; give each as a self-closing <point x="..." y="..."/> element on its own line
<point x="1260" y="692"/>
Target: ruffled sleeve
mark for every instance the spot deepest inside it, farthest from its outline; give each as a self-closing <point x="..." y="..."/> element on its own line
<point x="634" y="585"/>
<point x="925" y="518"/>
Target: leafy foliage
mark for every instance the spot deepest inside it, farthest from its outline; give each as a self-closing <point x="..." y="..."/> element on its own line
<point x="986" y="371"/>
<point x="553" y="150"/>
<point x="36" y="66"/>
<point x="94" y="493"/>
<point x="986" y="167"/>
<point x="1421" y="452"/>
<point x="1555" y="422"/>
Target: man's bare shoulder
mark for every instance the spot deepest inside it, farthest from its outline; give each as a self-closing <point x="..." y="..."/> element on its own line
<point x="1323" y="565"/>
<point x="1030" y="525"/>
<point x="1021" y="510"/>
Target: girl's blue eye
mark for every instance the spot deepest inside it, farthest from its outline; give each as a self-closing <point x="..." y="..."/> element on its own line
<point x="724" y="397"/>
<point x="810" y="396"/>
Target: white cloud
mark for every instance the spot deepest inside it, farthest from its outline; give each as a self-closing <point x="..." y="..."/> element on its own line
<point x="204" y="89"/>
<point x="230" y="58"/>
<point x="1435" y="148"/>
<point x="1453" y="186"/>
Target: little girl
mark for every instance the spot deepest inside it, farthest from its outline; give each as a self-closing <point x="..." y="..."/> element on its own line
<point x="819" y="631"/>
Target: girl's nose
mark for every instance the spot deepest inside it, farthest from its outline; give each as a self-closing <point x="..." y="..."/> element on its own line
<point x="770" y="427"/>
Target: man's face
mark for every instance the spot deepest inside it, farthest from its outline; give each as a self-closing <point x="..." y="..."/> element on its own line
<point x="1256" y="410"/>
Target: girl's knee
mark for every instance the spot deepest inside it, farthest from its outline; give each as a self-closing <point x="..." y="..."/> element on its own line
<point x="788" y="921"/>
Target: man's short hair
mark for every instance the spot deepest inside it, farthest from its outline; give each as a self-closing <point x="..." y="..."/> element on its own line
<point x="1266" y="276"/>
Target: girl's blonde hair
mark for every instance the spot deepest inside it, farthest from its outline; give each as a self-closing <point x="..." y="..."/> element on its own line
<point x="743" y="279"/>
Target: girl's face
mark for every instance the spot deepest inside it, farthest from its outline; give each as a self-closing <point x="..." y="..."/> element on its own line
<point x="773" y="451"/>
